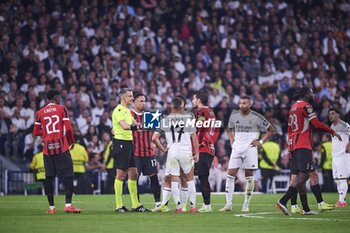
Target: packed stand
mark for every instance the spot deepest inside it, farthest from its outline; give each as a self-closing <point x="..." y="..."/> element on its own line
<point x="89" y="49"/>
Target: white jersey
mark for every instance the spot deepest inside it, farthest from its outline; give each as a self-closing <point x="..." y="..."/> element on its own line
<point x="246" y="128"/>
<point x="343" y="129"/>
<point x="177" y="133"/>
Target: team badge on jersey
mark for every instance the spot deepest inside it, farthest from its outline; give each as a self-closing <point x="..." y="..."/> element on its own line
<point x="151" y="120"/>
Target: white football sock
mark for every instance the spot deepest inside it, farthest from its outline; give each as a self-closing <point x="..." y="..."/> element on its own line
<point x="249" y="188"/>
<point x="175" y="191"/>
<point x="184" y="195"/>
<point x="342" y="187"/>
<point x="166" y="195"/>
<point x="192" y="192"/>
<point x="230" y="188"/>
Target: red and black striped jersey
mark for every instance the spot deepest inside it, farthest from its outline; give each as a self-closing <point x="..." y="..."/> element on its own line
<point x="53" y="124"/>
<point x="142" y="139"/>
<point x="299" y="127"/>
<point x="207" y="136"/>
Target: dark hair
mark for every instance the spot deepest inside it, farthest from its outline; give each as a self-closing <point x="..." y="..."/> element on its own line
<point x="176" y="102"/>
<point x="51" y="94"/>
<point x="182" y="98"/>
<point x="246" y="97"/>
<point x="124" y="90"/>
<point x="137" y="95"/>
<point x="203" y="96"/>
<point x="301" y="93"/>
<point x="335" y="110"/>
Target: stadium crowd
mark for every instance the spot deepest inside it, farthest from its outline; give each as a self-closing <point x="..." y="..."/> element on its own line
<point x="89" y="49"/>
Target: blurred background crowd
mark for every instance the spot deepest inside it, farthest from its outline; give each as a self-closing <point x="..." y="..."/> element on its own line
<point x="89" y="49"/>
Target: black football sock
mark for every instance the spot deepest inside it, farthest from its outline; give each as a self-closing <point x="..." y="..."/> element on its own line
<point x="155" y="187"/>
<point x="68" y="186"/>
<point x="303" y="199"/>
<point x="291" y="191"/>
<point x="316" y="190"/>
<point x="48" y="186"/>
<point x="293" y="199"/>
<point x="205" y="188"/>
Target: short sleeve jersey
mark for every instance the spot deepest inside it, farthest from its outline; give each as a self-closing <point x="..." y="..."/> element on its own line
<point x="121" y="113"/>
<point x="177" y="136"/>
<point x="51" y="120"/>
<point x="207" y="136"/>
<point x="299" y="126"/>
<point x="343" y="129"/>
<point x="246" y="128"/>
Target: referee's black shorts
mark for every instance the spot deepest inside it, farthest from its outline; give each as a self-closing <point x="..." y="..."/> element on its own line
<point x="203" y="165"/>
<point x="59" y="165"/>
<point x="301" y="161"/>
<point x="122" y="152"/>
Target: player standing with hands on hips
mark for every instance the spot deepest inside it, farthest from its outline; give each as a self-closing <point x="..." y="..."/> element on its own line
<point x="53" y="124"/>
<point x="244" y="128"/>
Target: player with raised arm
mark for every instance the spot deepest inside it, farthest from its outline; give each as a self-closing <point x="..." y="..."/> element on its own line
<point x="179" y="140"/>
<point x="207" y="137"/>
<point x="340" y="155"/>
<point x="53" y="124"/>
<point x="244" y="128"/>
<point x="145" y="160"/>
<point x="302" y="119"/>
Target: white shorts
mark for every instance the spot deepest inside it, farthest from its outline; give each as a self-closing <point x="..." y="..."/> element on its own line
<point x="178" y="159"/>
<point x="341" y="166"/>
<point x="244" y="160"/>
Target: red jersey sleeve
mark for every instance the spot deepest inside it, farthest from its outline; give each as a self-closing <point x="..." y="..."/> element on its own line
<point x="68" y="125"/>
<point x="37" y="131"/>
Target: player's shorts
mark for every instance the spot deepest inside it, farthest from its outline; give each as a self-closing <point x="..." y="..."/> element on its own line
<point x="146" y="165"/>
<point x="178" y="159"/>
<point x="245" y="160"/>
<point x="59" y="165"/>
<point x="203" y="165"/>
<point x="122" y="152"/>
<point x="301" y="161"/>
<point x="341" y="166"/>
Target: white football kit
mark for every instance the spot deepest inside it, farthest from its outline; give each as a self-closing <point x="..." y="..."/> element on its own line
<point x="246" y="129"/>
<point x="178" y="138"/>
<point x="341" y="159"/>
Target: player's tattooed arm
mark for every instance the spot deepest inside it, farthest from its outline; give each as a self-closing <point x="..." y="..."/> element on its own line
<point x="156" y="141"/>
<point x="271" y="131"/>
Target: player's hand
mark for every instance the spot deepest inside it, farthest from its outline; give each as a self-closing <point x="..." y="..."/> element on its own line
<point x="196" y="158"/>
<point x="255" y="143"/>
<point x="347" y="149"/>
<point x="153" y="146"/>
<point x="338" y="136"/>
<point x="71" y="146"/>
<point x="112" y="131"/>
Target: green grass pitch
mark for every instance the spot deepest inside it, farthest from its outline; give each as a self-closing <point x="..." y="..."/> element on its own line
<point x="27" y="214"/>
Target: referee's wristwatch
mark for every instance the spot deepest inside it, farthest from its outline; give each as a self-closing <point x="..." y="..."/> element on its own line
<point x="134" y="127"/>
<point x="261" y="141"/>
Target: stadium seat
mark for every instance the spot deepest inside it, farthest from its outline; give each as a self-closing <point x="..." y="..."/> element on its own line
<point x="33" y="186"/>
<point x="280" y="183"/>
